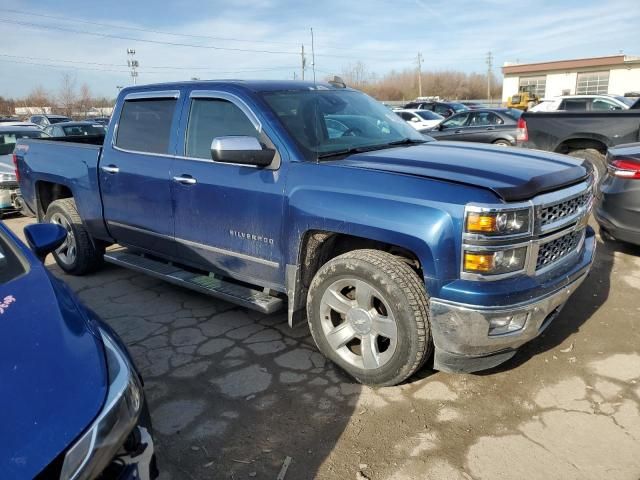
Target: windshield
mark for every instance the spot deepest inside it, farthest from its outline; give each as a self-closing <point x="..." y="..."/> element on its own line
<point x="12" y="263"/>
<point x="329" y="122"/>
<point x="628" y="101"/>
<point x="84" y="130"/>
<point x="513" y="113"/>
<point x="458" y="107"/>
<point x="8" y="139"/>
<point x="429" y="115"/>
<point x="53" y="120"/>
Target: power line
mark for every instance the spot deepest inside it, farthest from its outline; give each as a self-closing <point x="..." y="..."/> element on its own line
<point x="139" y="29"/>
<point x="143" y="40"/>
<point x="74" y="67"/>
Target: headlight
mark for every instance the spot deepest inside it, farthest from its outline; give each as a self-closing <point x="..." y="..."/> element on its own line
<point x="97" y="446"/>
<point x="498" y="223"/>
<point x="495" y="262"/>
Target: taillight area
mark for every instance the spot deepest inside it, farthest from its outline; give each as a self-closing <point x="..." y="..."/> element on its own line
<point x="625" y="168"/>
<point x="523" y="133"/>
<point x="15" y="165"/>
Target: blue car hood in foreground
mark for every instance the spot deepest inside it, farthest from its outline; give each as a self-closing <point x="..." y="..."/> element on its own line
<point x="53" y="377"/>
<point x="511" y="173"/>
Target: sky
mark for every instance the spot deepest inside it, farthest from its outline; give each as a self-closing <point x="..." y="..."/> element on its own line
<point x="41" y="41"/>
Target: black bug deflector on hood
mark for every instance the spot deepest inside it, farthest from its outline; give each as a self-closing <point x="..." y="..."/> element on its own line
<point x="511" y="173"/>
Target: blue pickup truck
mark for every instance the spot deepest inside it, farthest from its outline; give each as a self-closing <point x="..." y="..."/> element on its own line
<point x="318" y="197"/>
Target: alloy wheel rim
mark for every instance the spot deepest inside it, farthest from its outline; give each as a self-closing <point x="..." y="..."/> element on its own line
<point x="358" y="324"/>
<point x="68" y="251"/>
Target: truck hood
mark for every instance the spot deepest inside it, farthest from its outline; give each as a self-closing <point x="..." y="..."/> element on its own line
<point x="52" y="370"/>
<point x="513" y="174"/>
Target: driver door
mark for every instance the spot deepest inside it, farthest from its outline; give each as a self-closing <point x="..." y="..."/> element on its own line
<point x="454" y="128"/>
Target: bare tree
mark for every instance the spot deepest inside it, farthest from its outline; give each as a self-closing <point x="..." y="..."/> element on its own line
<point x="67" y="95"/>
<point x="84" y="100"/>
<point x="38" y="100"/>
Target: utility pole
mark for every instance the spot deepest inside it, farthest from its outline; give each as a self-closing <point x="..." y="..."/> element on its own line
<point x="133" y="64"/>
<point x="313" y="58"/>
<point x="420" y="60"/>
<point x="489" y="67"/>
<point x="303" y="61"/>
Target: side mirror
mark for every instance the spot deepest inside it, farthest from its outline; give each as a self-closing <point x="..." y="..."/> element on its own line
<point x="243" y="150"/>
<point x="441" y="126"/>
<point x="44" y="238"/>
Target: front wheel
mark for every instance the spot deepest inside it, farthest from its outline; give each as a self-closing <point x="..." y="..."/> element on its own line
<point x="78" y="254"/>
<point x="368" y="313"/>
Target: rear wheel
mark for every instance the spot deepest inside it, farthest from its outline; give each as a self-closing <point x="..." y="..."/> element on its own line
<point x="368" y="313"/>
<point x="78" y="254"/>
<point x="502" y="143"/>
<point x="594" y="157"/>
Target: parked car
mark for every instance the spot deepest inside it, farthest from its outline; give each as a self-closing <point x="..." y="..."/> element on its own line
<point x="446" y="109"/>
<point x="397" y="247"/>
<point x="585" y="135"/>
<point x="75" y="129"/>
<point x="420" y="119"/>
<point x="10" y="198"/>
<point x="46" y="120"/>
<point x="71" y="399"/>
<point x="8" y="120"/>
<point x="474" y="105"/>
<point x="101" y="120"/>
<point x="618" y="209"/>
<point x="498" y="126"/>
<point x="595" y="103"/>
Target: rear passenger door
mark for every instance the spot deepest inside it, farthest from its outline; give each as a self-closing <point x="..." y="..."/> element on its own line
<point x="135" y="171"/>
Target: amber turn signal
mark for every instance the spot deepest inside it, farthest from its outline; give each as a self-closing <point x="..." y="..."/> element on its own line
<point x="477" y="222"/>
<point x="478" y="262"/>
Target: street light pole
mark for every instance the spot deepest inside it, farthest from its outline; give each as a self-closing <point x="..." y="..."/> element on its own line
<point x="133" y="64"/>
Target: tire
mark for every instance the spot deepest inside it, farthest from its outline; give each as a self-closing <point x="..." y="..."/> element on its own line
<point x="356" y="296"/>
<point x="594" y="157"/>
<point x="78" y="255"/>
<point x="502" y="143"/>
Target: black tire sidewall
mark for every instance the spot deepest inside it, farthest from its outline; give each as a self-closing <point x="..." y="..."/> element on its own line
<point x="408" y="338"/>
<point x="54" y="208"/>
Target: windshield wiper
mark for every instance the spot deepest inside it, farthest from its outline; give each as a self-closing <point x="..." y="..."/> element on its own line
<point x="407" y="141"/>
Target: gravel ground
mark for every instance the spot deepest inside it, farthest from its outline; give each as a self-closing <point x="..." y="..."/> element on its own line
<point x="233" y="392"/>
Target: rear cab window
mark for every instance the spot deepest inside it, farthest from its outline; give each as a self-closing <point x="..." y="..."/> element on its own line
<point x="145" y="124"/>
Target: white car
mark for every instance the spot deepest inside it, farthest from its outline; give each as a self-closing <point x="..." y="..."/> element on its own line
<point x="583" y="103"/>
<point x="420" y="119"/>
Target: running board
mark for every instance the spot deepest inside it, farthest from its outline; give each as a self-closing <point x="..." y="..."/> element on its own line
<point x="207" y="284"/>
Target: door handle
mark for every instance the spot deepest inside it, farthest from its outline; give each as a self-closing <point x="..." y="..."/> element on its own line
<point x="110" y="169"/>
<point x="185" y="180"/>
<point x="458" y="131"/>
<point x="491" y="128"/>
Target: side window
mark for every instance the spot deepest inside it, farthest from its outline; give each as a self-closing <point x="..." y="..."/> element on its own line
<point x="604" y="105"/>
<point x="57" y="131"/>
<point x="574" y="104"/>
<point x="210" y="118"/>
<point x="145" y="125"/>
<point x="456" y="121"/>
<point x="442" y="110"/>
<point x="481" y="119"/>
<point x="406" y="116"/>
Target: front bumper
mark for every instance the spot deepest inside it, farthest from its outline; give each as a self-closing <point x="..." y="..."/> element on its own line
<point x="461" y="332"/>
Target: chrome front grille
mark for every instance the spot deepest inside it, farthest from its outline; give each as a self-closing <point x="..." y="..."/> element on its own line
<point x="556" y="212"/>
<point x="559" y="248"/>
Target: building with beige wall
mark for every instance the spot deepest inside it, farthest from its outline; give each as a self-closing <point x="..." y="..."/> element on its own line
<point x="615" y="74"/>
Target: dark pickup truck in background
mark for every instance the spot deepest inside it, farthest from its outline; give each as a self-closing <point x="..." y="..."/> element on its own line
<point x="585" y="135"/>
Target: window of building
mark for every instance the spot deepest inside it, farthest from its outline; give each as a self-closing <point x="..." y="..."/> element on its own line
<point x="592" y="83"/>
<point x="537" y="85"/>
<point x="145" y="125"/>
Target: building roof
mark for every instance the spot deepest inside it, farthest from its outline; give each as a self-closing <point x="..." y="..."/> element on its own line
<point x="611" y="60"/>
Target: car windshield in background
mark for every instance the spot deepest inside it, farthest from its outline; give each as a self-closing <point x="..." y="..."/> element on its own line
<point x="626" y="100"/>
<point x="84" y="130"/>
<point x="428" y="115"/>
<point x="327" y="123"/>
<point x="12" y="263"/>
<point x="58" y="120"/>
<point x="8" y="139"/>
<point x="513" y="113"/>
<point x="458" y="107"/>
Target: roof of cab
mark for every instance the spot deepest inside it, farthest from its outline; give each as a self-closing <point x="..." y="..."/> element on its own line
<point x="252" y="85"/>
